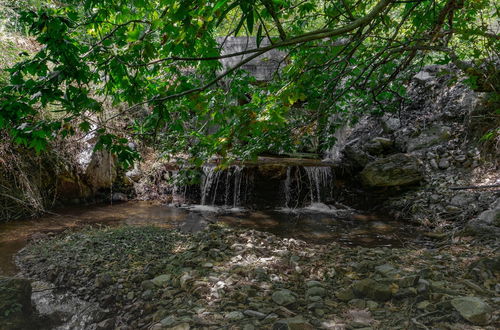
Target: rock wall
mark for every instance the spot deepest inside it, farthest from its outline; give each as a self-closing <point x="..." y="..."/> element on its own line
<point x="262" y="68"/>
<point x="416" y="157"/>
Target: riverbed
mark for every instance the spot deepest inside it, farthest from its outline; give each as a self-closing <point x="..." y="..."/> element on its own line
<point x="316" y="224"/>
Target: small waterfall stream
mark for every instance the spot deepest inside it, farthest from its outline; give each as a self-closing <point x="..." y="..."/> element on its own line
<point x="229" y="182"/>
<point x="297" y="186"/>
<point x="320" y="178"/>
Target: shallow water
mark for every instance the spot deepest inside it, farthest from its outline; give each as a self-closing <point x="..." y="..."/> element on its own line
<point x="317" y="224"/>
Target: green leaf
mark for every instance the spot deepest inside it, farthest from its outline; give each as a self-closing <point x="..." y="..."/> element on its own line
<point x="259" y="35"/>
<point x="250" y="21"/>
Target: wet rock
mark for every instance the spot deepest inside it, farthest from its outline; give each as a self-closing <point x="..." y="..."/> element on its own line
<point x="394" y="170"/>
<point x="284" y="297"/>
<point x="295" y="323"/>
<point x="371" y="289"/>
<point x="16" y="311"/>
<point x="473" y="309"/>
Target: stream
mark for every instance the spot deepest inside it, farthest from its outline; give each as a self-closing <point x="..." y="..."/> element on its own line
<point x="317" y="224"/>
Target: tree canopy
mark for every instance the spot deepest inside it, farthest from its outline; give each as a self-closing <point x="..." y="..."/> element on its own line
<point x="156" y="63"/>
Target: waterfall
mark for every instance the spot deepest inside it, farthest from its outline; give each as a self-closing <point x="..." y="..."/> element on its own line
<point x="229" y="180"/>
<point x="288" y="187"/>
<point x="237" y="186"/>
<point x="320" y="178"/>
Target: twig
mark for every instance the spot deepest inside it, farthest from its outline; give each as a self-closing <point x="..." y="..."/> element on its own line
<point x="476" y="187"/>
<point x="419" y="324"/>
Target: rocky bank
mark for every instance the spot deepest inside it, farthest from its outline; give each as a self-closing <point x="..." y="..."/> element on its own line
<point x="220" y="278"/>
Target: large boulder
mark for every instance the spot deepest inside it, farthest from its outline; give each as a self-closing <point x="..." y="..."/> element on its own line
<point x="394" y="170"/>
<point x="101" y="171"/>
<point x="16" y="311"/>
<point x="487" y="221"/>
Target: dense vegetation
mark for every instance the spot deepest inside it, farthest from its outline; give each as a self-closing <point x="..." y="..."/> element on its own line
<point x="156" y="65"/>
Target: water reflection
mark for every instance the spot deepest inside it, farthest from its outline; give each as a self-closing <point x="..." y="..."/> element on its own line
<point x="310" y="225"/>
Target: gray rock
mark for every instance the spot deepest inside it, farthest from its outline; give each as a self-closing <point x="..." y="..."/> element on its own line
<point x="390" y="124"/>
<point x="184" y="280"/>
<point x="284" y="297"/>
<point x="473" y="309"/>
<point x="119" y="197"/>
<point x="462" y="200"/>
<point x="162" y="280"/>
<point x="256" y="314"/>
<point x="168" y="321"/>
<point x="423" y="76"/>
<point x="102" y="170"/>
<point x="394" y="170"/>
<point x="296" y="323"/>
<point x="431" y="136"/>
<point x="386" y="270"/>
<point x="148" y="294"/>
<point x="444" y="163"/>
<point x="134" y="174"/>
<point x="490" y="218"/>
<point x="235" y="316"/>
<point x="107" y="324"/>
<point x="434" y="164"/>
<point x="311" y="284"/>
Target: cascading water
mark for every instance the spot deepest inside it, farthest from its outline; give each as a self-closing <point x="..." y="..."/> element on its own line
<point x="320" y="178"/>
<point x="306" y="185"/>
<point x="231" y="181"/>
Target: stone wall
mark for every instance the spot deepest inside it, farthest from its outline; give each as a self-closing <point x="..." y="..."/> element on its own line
<point x="262" y="68"/>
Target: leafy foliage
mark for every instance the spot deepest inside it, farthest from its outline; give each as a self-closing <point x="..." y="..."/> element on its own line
<point x="157" y="63"/>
